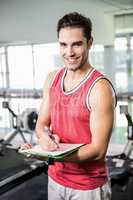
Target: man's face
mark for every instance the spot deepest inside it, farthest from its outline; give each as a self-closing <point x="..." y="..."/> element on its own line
<point x="73" y="48"/>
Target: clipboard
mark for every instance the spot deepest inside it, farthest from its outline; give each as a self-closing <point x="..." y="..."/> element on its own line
<point x="38" y="152"/>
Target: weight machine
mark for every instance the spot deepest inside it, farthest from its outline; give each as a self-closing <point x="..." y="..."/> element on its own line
<point x="129" y="145"/>
<point x="121" y="165"/>
<point x="24" y="123"/>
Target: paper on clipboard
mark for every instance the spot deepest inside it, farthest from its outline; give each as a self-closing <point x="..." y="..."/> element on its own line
<point x="64" y="150"/>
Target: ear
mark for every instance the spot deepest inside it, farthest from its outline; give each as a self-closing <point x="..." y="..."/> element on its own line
<point x="90" y="42"/>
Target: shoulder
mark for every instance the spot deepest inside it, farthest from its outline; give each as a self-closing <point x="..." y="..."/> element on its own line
<point x="102" y="94"/>
<point x="50" y="77"/>
<point x="103" y="85"/>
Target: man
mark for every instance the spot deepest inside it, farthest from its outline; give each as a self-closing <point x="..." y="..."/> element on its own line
<point x="77" y="107"/>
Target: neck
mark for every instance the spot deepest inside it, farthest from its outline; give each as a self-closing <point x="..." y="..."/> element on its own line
<point x="73" y="78"/>
<point x="79" y="73"/>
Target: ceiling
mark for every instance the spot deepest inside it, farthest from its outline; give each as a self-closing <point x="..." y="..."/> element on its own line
<point x="120" y="4"/>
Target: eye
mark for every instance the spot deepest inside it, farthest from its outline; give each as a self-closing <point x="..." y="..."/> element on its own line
<point x="77" y="44"/>
<point x="62" y="44"/>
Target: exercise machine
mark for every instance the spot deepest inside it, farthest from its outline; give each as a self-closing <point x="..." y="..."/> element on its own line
<point x="23" y="123"/>
<point x="19" y="175"/>
<point x="121" y="165"/>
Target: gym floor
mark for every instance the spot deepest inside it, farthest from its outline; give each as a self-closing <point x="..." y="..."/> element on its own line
<point x="35" y="188"/>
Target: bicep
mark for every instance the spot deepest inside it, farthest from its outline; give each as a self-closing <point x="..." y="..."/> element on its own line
<point x="102" y="115"/>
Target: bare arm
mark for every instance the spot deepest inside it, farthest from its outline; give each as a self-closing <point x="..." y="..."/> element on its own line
<point x="44" y="116"/>
<point x="102" y="103"/>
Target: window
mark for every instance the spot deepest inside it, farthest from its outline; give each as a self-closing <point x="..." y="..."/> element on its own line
<point x="121" y="80"/>
<point x="46" y="59"/>
<point x="131" y="57"/>
<point x="132" y="43"/>
<point x="120" y="44"/>
<point x="2" y="68"/>
<point x="97" y="56"/>
<point x="20" y="67"/>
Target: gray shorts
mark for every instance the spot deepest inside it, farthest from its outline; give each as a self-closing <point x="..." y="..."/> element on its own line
<point x="59" y="192"/>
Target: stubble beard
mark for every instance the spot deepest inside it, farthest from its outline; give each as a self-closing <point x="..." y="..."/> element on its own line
<point x="80" y="66"/>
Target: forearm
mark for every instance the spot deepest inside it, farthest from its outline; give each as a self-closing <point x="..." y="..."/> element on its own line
<point x="40" y="127"/>
<point x="85" y="153"/>
<point x="45" y="138"/>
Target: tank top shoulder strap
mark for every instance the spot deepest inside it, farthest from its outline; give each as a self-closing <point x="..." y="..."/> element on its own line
<point x="95" y="77"/>
<point x="58" y="75"/>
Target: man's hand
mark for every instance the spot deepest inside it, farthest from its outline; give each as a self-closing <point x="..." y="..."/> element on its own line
<point x="49" y="141"/>
<point x="25" y="146"/>
<point x="29" y="146"/>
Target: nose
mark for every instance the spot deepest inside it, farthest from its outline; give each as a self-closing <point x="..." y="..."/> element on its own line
<point x="70" y="51"/>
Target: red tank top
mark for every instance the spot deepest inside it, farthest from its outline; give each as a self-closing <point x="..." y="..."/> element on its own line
<point x="70" y="116"/>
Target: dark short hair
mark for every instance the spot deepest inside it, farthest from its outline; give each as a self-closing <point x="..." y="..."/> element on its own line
<point x="76" y="20"/>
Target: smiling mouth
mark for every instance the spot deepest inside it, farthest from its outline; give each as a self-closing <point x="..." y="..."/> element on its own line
<point x="72" y="60"/>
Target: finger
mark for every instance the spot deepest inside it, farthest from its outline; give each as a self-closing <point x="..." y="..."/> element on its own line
<point x="57" y="139"/>
<point x="52" y="146"/>
<point x="25" y="146"/>
<point x="47" y="144"/>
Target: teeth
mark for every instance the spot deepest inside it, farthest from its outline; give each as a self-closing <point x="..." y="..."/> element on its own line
<point x="71" y="60"/>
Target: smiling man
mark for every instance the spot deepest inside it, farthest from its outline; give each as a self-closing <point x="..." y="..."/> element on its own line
<point x="78" y="107"/>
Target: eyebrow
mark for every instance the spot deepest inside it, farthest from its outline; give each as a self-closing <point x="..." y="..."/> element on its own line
<point x="74" y="43"/>
<point x="77" y="43"/>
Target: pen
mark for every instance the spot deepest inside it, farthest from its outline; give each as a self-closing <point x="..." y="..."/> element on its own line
<point x="51" y="136"/>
